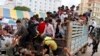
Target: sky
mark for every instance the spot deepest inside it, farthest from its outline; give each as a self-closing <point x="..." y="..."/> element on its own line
<point x="70" y="2"/>
<point x="64" y="2"/>
<point x="2" y="2"/>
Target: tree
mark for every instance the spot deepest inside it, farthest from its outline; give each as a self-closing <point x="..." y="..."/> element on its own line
<point x="22" y="8"/>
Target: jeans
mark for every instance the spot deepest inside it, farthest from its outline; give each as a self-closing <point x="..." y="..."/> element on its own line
<point x="92" y="28"/>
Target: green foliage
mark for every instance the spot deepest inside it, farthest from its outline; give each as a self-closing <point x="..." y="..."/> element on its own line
<point x="23" y="8"/>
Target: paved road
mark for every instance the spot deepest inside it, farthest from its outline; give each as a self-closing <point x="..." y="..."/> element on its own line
<point x="89" y="51"/>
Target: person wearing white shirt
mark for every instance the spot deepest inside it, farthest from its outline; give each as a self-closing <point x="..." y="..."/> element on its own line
<point x="64" y="15"/>
<point x="49" y="29"/>
<point x="6" y="44"/>
<point x="92" y="25"/>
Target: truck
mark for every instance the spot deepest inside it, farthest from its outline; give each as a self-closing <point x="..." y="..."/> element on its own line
<point x="76" y="38"/>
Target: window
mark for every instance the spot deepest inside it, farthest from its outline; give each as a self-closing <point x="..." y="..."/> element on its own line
<point x="35" y="9"/>
<point x="40" y="10"/>
<point x="35" y="1"/>
<point x="30" y="4"/>
<point x="35" y="6"/>
<point x="40" y="2"/>
<point x="89" y="4"/>
<point x="30" y="0"/>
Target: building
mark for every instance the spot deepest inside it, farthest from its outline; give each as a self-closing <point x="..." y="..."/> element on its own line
<point x="34" y="5"/>
<point x="94" y="5"/>
<point x="83" y="7"/>
<point x="8" y="4"/>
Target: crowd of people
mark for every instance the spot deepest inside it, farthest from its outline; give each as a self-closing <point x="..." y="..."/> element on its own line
<point x="35" y="36"/>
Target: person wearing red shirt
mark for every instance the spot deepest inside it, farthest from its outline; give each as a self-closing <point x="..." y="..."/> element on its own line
<point x="41" y="26"/>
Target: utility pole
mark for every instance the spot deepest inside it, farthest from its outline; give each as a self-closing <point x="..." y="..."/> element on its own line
<point x="81" y="6"/>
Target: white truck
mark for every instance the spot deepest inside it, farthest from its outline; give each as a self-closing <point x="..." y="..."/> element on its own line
<point x="76" y="37"/>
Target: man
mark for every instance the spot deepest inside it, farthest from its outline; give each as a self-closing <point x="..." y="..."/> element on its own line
<point x="6" y="43"/>
<point x="64" y="15"/>
<point x="92" y="25"/>
<point x="21" y="32"/>
<point x="32" y="28"/>
<point x="88" y="13"/>
<point x="41" y="26"/>
<point x="49" y="29"/>
<point x="95" y="44"/>
<point x="25" y="22"/>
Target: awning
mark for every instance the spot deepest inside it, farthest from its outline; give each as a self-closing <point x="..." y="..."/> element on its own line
<point x="8" y="21"/>
<point x="20" y="14"/>
<point x="14" y="14"/>
<point x="6" y="13"/>
<point x="17" y="14"/>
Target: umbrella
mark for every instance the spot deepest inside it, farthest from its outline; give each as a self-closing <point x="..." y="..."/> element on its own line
<point x="5" y="21"/>
<point x="8" y="21"/>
